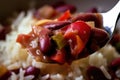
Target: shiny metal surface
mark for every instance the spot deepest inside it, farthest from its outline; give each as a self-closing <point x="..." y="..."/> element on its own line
<point x="110" y="18"/>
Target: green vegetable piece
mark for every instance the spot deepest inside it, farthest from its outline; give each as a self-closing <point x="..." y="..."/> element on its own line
<point x="59" y="39"/>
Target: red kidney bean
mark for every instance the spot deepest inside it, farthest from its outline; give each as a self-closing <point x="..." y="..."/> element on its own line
<point x="44" y="41"/>
<point x="115" y="39"/>
<point x="31" y="70"/>
<point x="56" y="24"/>
<point x="89" y="17"/>
<point x="94" y="73"/>
<point x="66" y="7"/>
<point x="98" y="39"/>
<point x="113" y="67"/>
<point x="113" y="75"/>
<point x="100" y="36"/>
<point x="115" y="64"/>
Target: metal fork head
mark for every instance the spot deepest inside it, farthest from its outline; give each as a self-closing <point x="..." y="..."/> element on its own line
<point x="110" y="18"/>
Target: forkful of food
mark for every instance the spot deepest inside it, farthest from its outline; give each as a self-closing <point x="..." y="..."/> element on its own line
<point x="70" y="37"/>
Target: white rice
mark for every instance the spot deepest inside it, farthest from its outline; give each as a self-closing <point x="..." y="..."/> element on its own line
<point x="107" y="75"/>
<point x="118" y="73"/>
<point x="14" y="57"/>
<point x="21" y="76"/>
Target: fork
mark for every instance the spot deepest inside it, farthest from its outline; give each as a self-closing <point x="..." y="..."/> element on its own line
<point x="110" y="18"/>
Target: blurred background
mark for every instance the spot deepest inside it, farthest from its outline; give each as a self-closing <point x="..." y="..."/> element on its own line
<point x="7" y="7"/>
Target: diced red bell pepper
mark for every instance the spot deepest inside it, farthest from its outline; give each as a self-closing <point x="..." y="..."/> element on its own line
<point x="77" y="35"/>
<point x="59" y="56"/>
<point x="80" y="28"/>
<point x="23" y="39"/>
<point x="75" y="42"/>
<point x="80" y="46"/>
<point x="65" y="16"/>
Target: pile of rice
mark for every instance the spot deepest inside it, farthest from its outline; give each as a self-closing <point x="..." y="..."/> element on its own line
<point x="13" y="56"/>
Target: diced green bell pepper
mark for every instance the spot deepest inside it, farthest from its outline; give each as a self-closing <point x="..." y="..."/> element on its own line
<point x="59" y="40"/>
